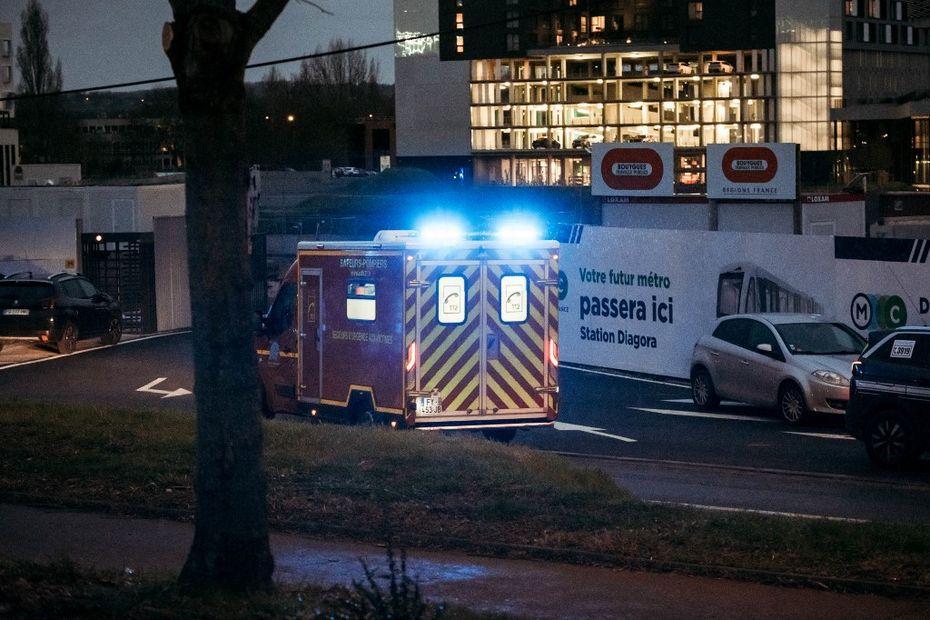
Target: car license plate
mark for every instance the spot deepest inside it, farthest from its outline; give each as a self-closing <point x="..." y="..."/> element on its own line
<point x="16" y="312"/>
<point x="428" y="405"/>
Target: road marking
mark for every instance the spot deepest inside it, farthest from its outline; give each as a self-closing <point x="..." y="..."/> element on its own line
<point x="768" y="513"/>
<point x="690" y="401"/>
<point x="822" y="435"/>
<point x="149" y="388"/>
<point x="702" y="414"/>
<point x="621" y="375"/>
<point x="565" y="426"/>
<point x="106" y="346"/>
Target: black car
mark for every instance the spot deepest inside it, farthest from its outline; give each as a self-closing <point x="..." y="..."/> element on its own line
<point x="889" y="405"/>
<point x="58" y="311"/>
<point x="546" y="143"/>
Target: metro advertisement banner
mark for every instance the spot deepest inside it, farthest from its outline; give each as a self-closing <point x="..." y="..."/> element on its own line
<point x="638" y="300"/>
<point x="752" y="171"/>
<point x="632" y="169"/>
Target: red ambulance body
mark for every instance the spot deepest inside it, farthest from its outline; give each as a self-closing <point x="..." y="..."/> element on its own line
<point x="462" y="335"/>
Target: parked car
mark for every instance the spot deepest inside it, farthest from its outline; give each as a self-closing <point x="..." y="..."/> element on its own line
<point x="671" y="68"/>
<point x="58" y="310"/>
<point x="889" y="403"/>
<point x="718" y="66"/>
<point x="546" y="143"/>
<point x="585" y="141"/>
<point x="798" y="363"/>
<point x="347" y="171"/>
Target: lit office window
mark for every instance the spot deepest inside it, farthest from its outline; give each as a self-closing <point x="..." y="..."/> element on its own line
<point x="459" y="44"/>
<point x="459" y="21"/>
<point x="852" y="8"/>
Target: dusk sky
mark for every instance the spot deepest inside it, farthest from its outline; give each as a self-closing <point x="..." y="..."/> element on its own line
<point x="106" y="41"/>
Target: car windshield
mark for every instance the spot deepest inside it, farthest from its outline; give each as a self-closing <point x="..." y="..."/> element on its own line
<point x="25" y="292"/>
<point x="820" y="339"/>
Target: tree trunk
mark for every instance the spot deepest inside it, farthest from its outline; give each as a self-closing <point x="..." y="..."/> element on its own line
<point x="209" y="45"/>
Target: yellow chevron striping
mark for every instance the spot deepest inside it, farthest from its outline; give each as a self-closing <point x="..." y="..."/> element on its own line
<point x="502" y="397"/>
<point x="467" y="399"/>
<point x="449" y="361"/>
<point x="519" y="365"/>
<point x="448" y="333"/>
<point x="505" y="374"/>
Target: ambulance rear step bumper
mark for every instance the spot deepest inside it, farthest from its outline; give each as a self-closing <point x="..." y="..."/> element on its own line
<point x="480" y="425"/>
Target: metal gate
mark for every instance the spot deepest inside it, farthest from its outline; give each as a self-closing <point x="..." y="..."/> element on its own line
<point x="123" y="265"/>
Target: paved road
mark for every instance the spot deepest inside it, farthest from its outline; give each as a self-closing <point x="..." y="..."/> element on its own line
<point x="483" y="584"/>
<point x="651" y="438"/>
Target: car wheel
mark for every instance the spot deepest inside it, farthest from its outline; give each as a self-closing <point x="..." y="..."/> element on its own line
<point x="67" y="343"/>
<point x="503" y="435"/>
<point x="114" y="332"/>
<point x="791" y="404"/>
<point x="703" y="393"/>
<point x="891" y="441"/>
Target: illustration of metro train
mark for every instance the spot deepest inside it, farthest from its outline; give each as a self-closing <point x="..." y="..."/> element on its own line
<point x="747" y="288"/>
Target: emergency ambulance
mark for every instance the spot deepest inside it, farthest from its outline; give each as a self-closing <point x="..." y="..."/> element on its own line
<point x="416" y="331"/>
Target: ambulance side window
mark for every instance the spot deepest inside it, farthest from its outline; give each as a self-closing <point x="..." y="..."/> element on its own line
<point x="360" y="300"/>
<point x="281" y="315"/>
<point x="515" y="291"/>
<point x="450" y="306"/>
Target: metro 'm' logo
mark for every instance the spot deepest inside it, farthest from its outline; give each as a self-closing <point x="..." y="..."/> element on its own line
<point x="632" y="169"/>
<point x="750" y="164"/>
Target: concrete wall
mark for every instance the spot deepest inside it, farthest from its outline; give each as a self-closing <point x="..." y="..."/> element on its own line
<point x="658" y="216"/>
<point x="47" y="174"/>
<point x="836" y="214"/>
<point x="102" y="208"/>
<point x="172" y="288"/>
<point x="842" y="219"/>
<point x="44" y="245"/>
<point x="432" y="107"/>
<point x="776" y="218"/>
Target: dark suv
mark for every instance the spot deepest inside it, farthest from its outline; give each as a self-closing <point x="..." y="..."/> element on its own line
<point x="58" y="311"/>
<point x="889" y="406"/>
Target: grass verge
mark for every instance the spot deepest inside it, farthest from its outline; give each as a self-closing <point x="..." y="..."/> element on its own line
<point x="432" y="490"/>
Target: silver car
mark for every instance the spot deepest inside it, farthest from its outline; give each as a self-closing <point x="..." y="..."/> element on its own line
<point x="798" y="363"/>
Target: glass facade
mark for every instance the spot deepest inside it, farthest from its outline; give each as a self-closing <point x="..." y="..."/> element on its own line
<point x="809" y="40"/>
<point x="546" y="111"/>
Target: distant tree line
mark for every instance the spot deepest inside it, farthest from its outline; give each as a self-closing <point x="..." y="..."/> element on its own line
<point x="300" y="120"/>
<point x="292" y="121"/>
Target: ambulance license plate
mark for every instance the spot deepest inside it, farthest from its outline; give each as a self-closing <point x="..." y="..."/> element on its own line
<point x="428" y="405"/>
<point x="16" y="312"/>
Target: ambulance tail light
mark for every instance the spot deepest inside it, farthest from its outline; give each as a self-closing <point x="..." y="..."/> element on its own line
<point x="553" y="353"/>
<point x="411" y="356"/>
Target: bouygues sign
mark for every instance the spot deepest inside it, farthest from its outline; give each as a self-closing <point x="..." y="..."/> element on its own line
<point x="632" y="169"/>
<point x="752" y="171"/>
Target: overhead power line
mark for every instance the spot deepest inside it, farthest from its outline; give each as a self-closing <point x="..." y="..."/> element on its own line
<point x="284" y="61"/>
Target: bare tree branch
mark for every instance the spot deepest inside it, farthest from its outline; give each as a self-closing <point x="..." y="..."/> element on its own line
<point x="261" y="16"/>
<point x="317" y="6"/>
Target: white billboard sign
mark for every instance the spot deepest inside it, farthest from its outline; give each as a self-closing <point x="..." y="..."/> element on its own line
<point x="638" y="300"/>
<point x="752" y="171"/>
<point x="632" y="169"/>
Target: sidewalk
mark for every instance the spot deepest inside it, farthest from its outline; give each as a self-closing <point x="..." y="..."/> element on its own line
<point x="521" y="588"/>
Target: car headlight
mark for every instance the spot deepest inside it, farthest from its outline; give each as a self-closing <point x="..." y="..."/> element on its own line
<point x="831" y="378"/>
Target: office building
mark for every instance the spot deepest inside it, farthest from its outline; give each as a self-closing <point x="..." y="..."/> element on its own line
<point x="547" y="78"/>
